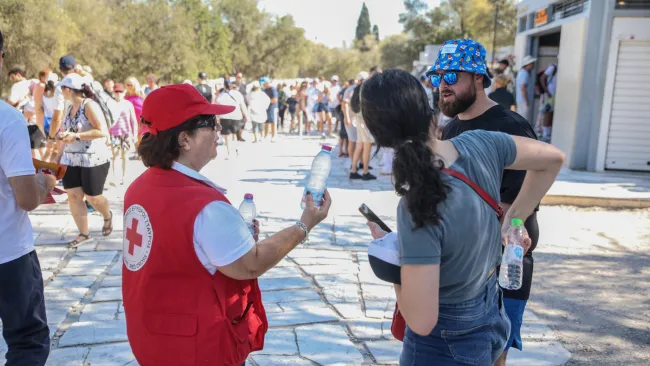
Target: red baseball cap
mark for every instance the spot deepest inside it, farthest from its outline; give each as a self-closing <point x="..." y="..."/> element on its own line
<point x="171" y="105"/>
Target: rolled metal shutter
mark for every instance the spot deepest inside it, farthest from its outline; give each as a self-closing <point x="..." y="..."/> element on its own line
<point x="628" y="142"/>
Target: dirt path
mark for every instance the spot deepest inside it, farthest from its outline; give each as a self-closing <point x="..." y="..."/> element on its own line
<point x="592" y="283"/>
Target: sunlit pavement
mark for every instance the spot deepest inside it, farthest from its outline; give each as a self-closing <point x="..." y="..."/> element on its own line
<point x="324" y="304"/>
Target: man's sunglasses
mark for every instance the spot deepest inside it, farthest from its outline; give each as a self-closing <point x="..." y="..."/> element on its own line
<point x="450" y="78"/>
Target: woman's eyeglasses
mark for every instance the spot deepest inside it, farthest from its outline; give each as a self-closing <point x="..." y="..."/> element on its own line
<point x="450" y="78"/>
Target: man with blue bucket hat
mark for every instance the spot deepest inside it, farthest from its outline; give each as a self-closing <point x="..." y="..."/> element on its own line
<point x="461" y="73"/>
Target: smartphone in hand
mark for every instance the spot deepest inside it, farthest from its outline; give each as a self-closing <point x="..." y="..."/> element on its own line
<point x="370" y="216"/>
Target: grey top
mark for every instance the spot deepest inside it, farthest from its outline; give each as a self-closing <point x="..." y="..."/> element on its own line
<point x="467" y="242"/>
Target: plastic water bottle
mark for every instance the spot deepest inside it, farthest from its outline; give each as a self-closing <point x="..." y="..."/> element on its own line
<point x="320" y="171"/>
<point x="247" y="210"/>
<point x="512" y="262"/>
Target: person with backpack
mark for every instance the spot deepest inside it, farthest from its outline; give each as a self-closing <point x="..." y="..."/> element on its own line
<point x="449" y="238"/>
<point x="547" y="85"/>
<point x="86" y="155"/>
<point x="231" y="122"/>
<point x="204" y="88"/>
<point x="524" y="101"/>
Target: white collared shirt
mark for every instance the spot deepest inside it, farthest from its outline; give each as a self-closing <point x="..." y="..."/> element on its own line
<point x="220" y="234"/>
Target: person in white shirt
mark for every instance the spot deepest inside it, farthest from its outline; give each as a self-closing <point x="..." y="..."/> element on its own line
<point x="258" y="103"/>
<point x="22" y="304"/>
<point x="54" y="149"/>
<point x="232" y="122"/>
<point x="523" y="81"/>
<point x="335" y="88"/>
<point x="20" y="90"/>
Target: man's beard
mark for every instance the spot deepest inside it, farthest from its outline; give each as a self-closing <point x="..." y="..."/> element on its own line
<point x="460" y="104"/>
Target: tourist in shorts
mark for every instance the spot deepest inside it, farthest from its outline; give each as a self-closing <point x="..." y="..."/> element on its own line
<point x="87" y="156"/>
<point x="272" y="110"/>
<point x="258" y="104"/>
<point x="124" y="130"/>
<point x="231" y="122"/>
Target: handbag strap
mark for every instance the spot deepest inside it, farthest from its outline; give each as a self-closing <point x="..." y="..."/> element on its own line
<point x="484" y="195"/>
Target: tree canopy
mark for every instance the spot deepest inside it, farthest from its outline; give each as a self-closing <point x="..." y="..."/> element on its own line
<point x="175" y="39"/>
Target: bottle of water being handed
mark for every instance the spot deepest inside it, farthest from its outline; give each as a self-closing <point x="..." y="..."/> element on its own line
<point x="247" y="210"/>
<point x="320" y="171"/>
<point x="512" y="261"/>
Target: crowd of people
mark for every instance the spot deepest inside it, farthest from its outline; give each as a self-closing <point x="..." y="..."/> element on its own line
<point x="191" y="299"/>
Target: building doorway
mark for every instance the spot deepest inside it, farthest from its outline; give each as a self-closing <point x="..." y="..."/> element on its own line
<point x="548" y="49"/>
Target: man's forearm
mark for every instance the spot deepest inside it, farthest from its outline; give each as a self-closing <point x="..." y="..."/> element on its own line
<point x="535" y="186"/>
<point x="524" y="93"/>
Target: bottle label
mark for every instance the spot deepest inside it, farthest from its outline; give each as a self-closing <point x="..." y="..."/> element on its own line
<point x="514" y="251"/>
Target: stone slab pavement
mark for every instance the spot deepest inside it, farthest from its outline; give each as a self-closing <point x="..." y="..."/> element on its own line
<point x="324" y="304"/>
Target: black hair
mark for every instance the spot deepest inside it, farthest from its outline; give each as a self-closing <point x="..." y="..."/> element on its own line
<point x="162" y="149"/>
<point x="50" y="86"/>
<point x="505" y="62"/>
<point x="2" y="41"/>
<point x="355" y="102"/>
<point x="396" y="111"/>
<point x="86" y="91"/>
<point x="16" y="70"/>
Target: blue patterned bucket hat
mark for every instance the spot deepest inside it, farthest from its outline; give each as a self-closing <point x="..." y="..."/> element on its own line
<point x="462" y="55"/>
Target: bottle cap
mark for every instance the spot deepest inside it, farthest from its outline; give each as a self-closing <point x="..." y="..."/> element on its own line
<point x="248" y="196"/>
<point x="327" y="147"/>
<point x="517" y="222"/>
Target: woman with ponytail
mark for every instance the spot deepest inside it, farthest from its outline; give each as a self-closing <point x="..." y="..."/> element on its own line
<point x="450" y="237"/>
<point x="87" y="156"/>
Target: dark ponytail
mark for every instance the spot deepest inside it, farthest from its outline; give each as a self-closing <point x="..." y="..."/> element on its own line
<point x="87" y="91"/>
<point x="416" y="173"/>
<point x="396" y="111"/>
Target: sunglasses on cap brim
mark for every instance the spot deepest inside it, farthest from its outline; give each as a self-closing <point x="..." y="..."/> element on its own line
<point x="450" y="78"/>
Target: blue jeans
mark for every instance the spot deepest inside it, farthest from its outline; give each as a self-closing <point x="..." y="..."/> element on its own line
<point x="473" y="332"/>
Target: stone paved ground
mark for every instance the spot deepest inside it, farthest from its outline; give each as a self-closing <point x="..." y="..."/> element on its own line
<point x="324" y="305"/>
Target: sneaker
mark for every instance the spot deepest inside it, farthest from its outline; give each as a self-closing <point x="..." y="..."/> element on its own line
<point x="355" y="175"/>
<point x="368" y="176"/>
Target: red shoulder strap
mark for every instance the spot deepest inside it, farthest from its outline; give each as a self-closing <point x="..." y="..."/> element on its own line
<point x="484" y="195"/>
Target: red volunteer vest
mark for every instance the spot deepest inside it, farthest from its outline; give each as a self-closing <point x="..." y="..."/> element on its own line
<point x="176" y="312"/>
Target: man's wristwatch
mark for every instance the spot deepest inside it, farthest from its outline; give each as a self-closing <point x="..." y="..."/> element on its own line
<point x="301" y="225"/>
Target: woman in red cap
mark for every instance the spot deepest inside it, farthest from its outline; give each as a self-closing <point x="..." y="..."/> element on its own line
<point x="190" y="262"/>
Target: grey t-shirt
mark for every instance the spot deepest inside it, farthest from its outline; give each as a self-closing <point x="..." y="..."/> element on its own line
<point x="467" y="242"/>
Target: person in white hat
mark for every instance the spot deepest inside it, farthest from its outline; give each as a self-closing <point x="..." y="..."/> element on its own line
<point x="524" y="101"/>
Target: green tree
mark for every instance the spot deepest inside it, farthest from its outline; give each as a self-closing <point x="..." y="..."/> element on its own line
<point x="260" y="43"/>
<point x="396" y="52"/>
<point x="375" y="32"/>
<point x="211" y="37"/>
<point x="363" y="24"/>
<point x="35" y="34"/>
<point x="458" y="19"/>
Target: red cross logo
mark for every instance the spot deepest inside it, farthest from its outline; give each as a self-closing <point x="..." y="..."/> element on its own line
<point x="133" y="237"/>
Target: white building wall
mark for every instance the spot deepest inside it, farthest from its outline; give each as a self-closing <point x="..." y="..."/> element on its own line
<point x="569" y="82"/>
